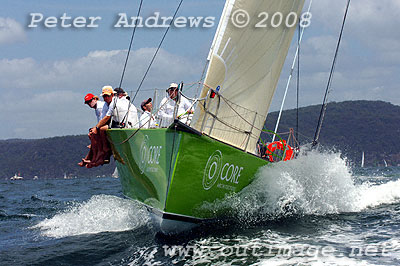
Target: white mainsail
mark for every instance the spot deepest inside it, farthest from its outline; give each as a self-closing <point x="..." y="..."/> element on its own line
<point x="246" y="63"/>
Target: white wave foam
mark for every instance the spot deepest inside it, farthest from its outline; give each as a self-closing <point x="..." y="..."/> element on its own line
<point x="373" y="196"/>
<point x="316" y="262"/>
<point x="102" y="213"/>
<point x="315" y="183"/>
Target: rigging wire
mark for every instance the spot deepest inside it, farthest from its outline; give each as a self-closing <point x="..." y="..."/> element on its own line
<point x="156" y="52"/>
<point x="290" y="77"/>
<point x="130" y="45"/>
<point x="152" y="60"/>
<point x="201" y="79"/>
<point x="328" y="87"/>
<point x="298" y="88"/>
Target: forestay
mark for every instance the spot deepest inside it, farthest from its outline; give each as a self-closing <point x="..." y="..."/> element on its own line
<point x="246" y="63"/>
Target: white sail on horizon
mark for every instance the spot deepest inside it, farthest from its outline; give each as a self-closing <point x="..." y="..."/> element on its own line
<point x="362" y="159"/>
<point x="246" y="64"/>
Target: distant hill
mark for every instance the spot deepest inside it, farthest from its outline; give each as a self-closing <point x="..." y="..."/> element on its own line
<point x="48" y="158"/>
<point x="351" y="127"/>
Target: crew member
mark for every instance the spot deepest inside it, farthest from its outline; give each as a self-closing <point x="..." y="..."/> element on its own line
<point x="101" y="145"/>
<point x="147" y="119"/>
<point x="124" y="113"/>
<point x="93" y="102"/>
<point x="167" y="106"/>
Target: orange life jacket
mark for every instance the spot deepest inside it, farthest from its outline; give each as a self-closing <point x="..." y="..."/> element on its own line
<point x="279" y="145"/>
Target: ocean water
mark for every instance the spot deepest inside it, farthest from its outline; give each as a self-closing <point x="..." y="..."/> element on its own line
<point x="315" y="210"/>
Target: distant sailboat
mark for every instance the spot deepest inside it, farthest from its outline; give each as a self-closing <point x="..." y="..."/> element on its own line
<point x="16" y="177"/>
<point x="362" y="160"/>
<point x="68" y="176"/>
<point x="115" y="174"/>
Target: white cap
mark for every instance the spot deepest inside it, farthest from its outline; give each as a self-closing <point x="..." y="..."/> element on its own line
<point x="173" y="85"/>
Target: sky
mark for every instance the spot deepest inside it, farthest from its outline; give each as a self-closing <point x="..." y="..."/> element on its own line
<point x="46" y="71"/>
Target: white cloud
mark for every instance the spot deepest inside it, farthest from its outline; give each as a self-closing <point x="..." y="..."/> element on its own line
<point x="373" y="23"/>
<point x="95" y="70"/>
<point x="367" y="66"/>
<point x="50" y="94"/>
<point x="11" y="31"/>
<point x="39" y="115"/>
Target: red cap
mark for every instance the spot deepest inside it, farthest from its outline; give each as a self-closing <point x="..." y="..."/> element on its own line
<point x="88" y="97"/>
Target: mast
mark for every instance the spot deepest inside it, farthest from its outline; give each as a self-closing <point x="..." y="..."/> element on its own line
<point x="328" y="86"/>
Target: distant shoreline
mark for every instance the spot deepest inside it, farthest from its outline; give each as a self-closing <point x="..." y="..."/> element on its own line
<point x="351" y="127"/>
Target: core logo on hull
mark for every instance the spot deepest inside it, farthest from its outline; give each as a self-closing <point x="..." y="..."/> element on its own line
<point x="211" y="172"/>
<point x="216" y="169"/>
<point x="149" y="156"/>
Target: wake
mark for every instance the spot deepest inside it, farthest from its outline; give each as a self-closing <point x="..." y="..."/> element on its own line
<point x="102" y="213"/>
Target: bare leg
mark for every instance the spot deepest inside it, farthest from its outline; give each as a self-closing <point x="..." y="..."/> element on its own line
<point x="106" y="146"/>
<point x="103" y="147"/>
<point x="88" y="156"/>
<point x="96" y="149"/>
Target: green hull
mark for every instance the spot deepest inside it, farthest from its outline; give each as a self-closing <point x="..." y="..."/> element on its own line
<point x="176" y="172"/>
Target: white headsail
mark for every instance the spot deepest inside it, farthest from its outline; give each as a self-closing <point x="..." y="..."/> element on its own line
<point x="246" y="63"/>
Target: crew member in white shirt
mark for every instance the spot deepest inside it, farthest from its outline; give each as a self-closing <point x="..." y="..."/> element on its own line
<point x="167" y="106"/>
<point x="119" y="111"/>
<point x="147" y="119"/>
<point x="93" y="102"/>
<point x="100" y="144"/>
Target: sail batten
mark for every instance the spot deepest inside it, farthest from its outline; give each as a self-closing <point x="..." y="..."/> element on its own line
<point x="246" y="64"/>
<point x="226" y="13"/>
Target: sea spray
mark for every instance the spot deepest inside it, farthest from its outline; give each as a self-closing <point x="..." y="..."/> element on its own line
<point x="373" y="196"/>
<point x="316" y="183"/>
<point x="101" y="213"/>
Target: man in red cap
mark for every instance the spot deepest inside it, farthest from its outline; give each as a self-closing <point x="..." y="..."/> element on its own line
<point x="100" y="144"/>
<point x="93" y="102"/>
